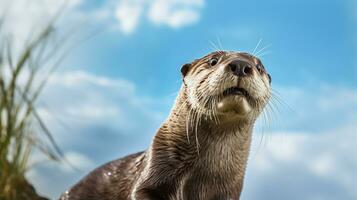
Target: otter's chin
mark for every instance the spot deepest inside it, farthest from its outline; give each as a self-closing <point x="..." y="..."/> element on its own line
<point x="236" y="104"/>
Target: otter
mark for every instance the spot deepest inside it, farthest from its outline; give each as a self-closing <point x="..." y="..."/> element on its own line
<point x="201" y="150"/>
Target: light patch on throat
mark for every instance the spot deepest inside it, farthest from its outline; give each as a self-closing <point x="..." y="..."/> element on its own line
<point x="236" y="104"/>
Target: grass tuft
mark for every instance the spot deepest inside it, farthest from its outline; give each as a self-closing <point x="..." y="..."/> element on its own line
<point x="21" y="128"/>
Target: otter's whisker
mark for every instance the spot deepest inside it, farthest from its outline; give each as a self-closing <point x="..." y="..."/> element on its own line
<point x="219" y="44"/>
<point x="216" y="119"/>
<point x="262" y="132"/>
<point x="184" y="104"/>
<point x="271" y="109"/>
<point x="265" y="47"/>
<point x="264" y="53"/>
<point x="277" y="97"/>
<point x="256" y="46"/>
<point x="215" y="47"/>
<point x="197" y="119"/>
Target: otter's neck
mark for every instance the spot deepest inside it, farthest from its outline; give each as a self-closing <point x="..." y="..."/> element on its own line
<point x="211" y="157"/>
<point x="204" y="139"/>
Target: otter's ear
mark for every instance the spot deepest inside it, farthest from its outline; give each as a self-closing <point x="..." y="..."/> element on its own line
<point x="185" y="68"/>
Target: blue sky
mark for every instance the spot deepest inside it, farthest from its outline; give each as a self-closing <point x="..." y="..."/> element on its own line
<point x="307" y="37"/>
<point x="129" y="72"/>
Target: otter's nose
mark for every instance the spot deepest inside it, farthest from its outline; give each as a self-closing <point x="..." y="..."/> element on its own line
<point x="240" y="68"/>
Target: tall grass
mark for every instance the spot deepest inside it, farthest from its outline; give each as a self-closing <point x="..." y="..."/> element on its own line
<point x="21" y="128"/>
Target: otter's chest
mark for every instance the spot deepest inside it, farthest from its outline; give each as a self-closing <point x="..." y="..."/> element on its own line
<point x="218" y="171"/>
<point x="223" y="155"/>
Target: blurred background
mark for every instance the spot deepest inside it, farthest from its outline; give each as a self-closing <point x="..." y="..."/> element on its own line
<point x="107" y="73"/>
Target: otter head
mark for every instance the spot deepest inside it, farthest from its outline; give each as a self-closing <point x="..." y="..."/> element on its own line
<point x="229" y="85"/>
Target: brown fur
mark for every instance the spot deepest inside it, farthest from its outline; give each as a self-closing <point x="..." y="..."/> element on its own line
<point x="197" y="154"/>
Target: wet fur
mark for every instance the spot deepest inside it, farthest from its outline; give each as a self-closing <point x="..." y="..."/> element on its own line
<point x="197" y="154"/>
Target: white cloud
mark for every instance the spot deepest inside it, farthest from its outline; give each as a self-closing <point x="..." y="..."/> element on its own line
<point x="308" y="148"/>
<point x="24" y="19"/>
<point x="288" y="147"/>
<point x="323" y="165"/>
<point x="128" y="14"/>
<point x="79" y="78"/>
<point x="107" y="116"/>
<point x="46" y="175"/>
<point x="86" y="97"/>
<point x="79" y="161"/>
<point x="174" y="13"/>
<point x="327" y="105"/>
<point x="292" y="160"/>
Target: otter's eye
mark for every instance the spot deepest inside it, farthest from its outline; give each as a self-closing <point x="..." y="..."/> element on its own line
<point x="213" y="61"/>
<point x="260" y="68"/>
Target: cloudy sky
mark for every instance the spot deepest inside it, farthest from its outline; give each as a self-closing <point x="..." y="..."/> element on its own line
<point x="113" y="90"/>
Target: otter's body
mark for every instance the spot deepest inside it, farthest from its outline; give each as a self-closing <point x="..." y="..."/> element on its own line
<point x="201" y="150"/>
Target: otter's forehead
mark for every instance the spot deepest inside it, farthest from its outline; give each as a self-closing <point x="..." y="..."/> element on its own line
<point x="228" y="55"/>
